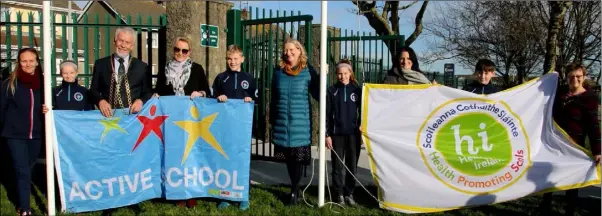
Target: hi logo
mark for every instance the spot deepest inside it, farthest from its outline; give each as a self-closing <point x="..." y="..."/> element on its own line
<point x="486" y="146"/>
<point x="474" y="146"/>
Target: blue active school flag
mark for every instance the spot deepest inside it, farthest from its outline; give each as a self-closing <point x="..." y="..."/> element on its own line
<point x="174" y="148"/>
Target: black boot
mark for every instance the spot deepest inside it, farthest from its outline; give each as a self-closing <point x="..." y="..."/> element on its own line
<point x="293" y="198"/>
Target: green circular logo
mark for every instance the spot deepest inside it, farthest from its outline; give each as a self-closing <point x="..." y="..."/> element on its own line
<point x="474" y="144"/>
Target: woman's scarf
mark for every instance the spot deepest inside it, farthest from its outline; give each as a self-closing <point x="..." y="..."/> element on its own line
<point x="31" y="81"/>
<point x="292" y="71"/>
<point x="177" y="74"/>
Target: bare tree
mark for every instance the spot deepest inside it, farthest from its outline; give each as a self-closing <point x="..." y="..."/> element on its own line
<point x="580" y="37"/>
<point x="520" y="37"/>
<point x="383" y="17"/>
<point x="499" y="31"/>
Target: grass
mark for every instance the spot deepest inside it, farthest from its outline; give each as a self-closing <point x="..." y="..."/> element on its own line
<point x="265" y="200"/>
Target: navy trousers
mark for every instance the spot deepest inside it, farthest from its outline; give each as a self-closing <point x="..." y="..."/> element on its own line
<point x="24" y="154"/>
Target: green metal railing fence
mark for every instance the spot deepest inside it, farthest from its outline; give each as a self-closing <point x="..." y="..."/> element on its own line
<point x="89" y="37"/>
<point x="369" y="54"/>
<point x="261" y="37"/>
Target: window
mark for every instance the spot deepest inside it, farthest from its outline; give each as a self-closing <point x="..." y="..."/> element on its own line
<point x="3" y="11"/>
<point x="154" y="82"/>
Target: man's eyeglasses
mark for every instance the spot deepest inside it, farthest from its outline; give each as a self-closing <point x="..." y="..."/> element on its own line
<point x="184" y="51"/>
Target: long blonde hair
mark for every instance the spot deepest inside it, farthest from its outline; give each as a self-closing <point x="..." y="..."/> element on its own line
<point x="302" y="57"/>
<point x="12" y="79"/>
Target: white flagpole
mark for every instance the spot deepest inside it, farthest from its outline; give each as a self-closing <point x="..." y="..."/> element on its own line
<point x="70" y="35"/>
<point x="323" y="68"/>
<point x="47" y="26"/>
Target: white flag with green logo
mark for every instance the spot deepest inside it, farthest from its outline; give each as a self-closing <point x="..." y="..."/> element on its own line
<point x="434" y="148"/>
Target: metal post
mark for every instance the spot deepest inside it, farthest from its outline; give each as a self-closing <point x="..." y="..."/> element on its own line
<point x="47" y="27"/>
<point x="323" y="68"/>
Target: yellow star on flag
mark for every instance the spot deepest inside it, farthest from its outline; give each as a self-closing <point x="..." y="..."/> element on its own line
<point x="198" y="129"/>
<point x="111" y="124"/>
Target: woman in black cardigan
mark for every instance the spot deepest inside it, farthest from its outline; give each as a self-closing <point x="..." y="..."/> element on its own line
<point x="182" y="76"/>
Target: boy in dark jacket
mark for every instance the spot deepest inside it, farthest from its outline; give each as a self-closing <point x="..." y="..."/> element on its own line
<point x="484" y="71"/>
<point x="235" y="84"/>
<point x="70" y="95"/>
<point x="342" y="130"/>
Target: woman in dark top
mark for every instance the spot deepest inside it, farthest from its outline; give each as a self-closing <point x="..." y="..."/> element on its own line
<point x="21" y="121"/>
<point x="576" y="112"/>
<point x="182" y="76"/>
<point x="407" y="70"/>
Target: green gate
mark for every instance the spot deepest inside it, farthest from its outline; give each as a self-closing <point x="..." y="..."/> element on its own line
<point x="261" y="35"/>
<point x="369" y="54"/>
<point x="92" y="39"/>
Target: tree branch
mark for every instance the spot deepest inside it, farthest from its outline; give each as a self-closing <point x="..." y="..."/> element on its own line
<point x="394" y="19"/>
<point x="418" y="22"/>
<point x="407" y="6"/>
<point x="386" y="10"/>
<point x="378" y="23"/>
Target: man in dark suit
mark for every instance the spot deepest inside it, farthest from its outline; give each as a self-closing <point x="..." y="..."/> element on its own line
<point x="119" y="80"/>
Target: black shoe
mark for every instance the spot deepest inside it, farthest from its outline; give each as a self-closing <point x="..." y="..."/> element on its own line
<point x="340" y="200"/>
<point x="293" y="199"/>
<point x="349" y="200"/>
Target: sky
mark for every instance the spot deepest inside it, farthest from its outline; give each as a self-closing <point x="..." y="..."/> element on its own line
<point x="340" y="16"/>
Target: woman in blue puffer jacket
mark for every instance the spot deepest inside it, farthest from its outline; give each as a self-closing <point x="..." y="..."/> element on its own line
<point x="290" y="111"/>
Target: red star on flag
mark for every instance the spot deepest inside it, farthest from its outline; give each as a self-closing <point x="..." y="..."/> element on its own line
<point x="149" y="125"/>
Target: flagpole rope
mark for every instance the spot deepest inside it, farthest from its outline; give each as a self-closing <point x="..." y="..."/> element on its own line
<point x="328" y="185"/>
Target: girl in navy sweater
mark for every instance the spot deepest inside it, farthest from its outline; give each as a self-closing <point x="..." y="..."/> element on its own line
<point x="69" y="95"/>
<point x="342" y="130"/>
<point x="21" y="120"/>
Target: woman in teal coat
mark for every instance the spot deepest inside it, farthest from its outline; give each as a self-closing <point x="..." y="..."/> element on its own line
<point x="290" y="111"/>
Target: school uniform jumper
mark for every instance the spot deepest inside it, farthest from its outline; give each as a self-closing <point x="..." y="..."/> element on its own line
<point x="235" y="85"/>
<point x="71" y="96"/>
<point x="479" y="88"/>
<point x="342" y="126"/>
<point x="21" y="124"/>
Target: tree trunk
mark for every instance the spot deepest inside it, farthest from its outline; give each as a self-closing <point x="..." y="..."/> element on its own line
<point x="521" y="70"/>
<point x="507" y="74"/>
<point x="561" y="47"/>
<point x="557" y="11"/>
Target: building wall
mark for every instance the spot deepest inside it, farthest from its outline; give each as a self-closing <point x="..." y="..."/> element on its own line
<point x="185" y="18"/>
